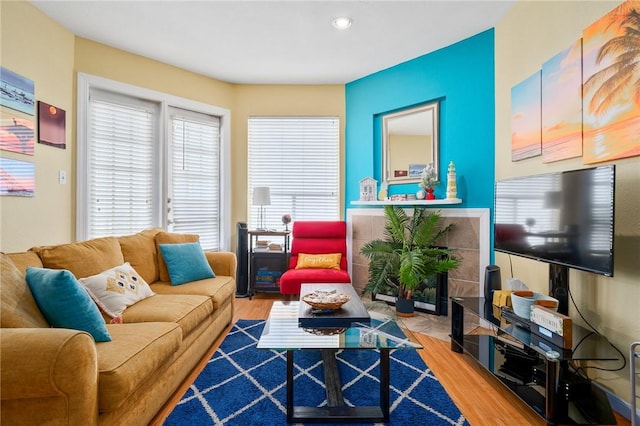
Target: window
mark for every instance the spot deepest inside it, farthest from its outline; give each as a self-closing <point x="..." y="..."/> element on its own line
<point x="195" y="175"/>
<point x="120" y="167"/>
<point x="298" y="159"/>
<point x="148" y="159"/>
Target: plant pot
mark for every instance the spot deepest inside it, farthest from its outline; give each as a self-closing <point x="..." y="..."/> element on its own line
<point x="404" y="307"/>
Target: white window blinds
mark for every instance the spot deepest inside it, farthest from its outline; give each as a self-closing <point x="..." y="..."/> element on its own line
<point x="120" y="162"/>
<point x="194" y="200"/>
<point x="298" y="159"/>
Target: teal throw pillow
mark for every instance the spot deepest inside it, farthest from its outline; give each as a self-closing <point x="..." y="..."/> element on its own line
<point x="65" y="303"/>
<point x="186" y="262"/>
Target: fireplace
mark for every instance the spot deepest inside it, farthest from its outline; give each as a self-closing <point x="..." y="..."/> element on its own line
<point x="469" y="239"/>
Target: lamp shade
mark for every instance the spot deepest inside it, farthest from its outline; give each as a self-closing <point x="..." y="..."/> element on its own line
<point x="261" y="196"/>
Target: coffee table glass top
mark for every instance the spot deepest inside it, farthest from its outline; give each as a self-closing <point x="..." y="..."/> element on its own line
<point x="383" y="331"/>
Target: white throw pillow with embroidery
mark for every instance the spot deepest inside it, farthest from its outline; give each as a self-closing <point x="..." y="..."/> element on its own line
<point x="117" y="288"/>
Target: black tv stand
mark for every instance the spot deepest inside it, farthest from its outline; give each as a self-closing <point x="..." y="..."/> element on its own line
<point x="535" y="370"/>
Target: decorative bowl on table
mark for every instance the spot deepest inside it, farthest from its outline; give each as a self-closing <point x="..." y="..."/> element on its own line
<point x="326" y="300"/>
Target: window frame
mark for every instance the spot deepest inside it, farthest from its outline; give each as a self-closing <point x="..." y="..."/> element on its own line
<point x="251" y="209"/>
<point x="87" y="82"/>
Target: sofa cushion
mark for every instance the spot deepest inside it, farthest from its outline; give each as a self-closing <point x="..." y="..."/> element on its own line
<point x="220" y="289"/>
<point x="136" y="352"/>
<point x="84" y="258"/>
<point x="116" y="288"/>
<point x="187" y="310"/>
<point x="185" y="262"/>
<point x="17" y="305"/>
<point x="141" y="252"/>
<point x="171" y="238"/>
<point x="65" y="303"/>
<point x="24" y="259"/>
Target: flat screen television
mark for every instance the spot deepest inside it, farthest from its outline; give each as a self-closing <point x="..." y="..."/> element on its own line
<point x="565" y="219"/>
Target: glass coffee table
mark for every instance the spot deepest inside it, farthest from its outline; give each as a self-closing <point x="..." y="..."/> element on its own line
<point x="383" y="332"/>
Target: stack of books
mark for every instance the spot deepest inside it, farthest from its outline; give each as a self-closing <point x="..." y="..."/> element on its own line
<point x="262" y="245"/>
<point x="275" y="247"/>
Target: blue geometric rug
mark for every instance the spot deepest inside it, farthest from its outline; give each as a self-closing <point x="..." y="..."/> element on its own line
<point x="242" y="385"/>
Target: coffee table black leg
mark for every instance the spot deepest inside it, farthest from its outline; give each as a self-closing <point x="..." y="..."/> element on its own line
<point x="340" y="413"/>
<point x="289" y="386"/>
<point x="384" y="383"/>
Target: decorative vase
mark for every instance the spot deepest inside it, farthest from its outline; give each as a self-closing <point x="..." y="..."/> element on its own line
<point x="404" y="307"/>
<point x="430" y="195"/>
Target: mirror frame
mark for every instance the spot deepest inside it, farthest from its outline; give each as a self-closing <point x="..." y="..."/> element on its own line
<point x="435" y="142"/>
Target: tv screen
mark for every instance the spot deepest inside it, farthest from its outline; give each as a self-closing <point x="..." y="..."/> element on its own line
<point x="564" y="218"/>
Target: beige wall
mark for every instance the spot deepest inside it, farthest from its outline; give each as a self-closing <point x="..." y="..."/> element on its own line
<point x="530" y="34"/>
<point x="27" y="39"/>
<point x="39" y="49"/>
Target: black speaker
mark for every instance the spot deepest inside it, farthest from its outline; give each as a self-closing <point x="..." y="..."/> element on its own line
<point x="491" y="281"/>
<point x="242" y="253"/>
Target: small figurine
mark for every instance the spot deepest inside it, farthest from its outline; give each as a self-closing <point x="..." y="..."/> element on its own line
<point x="384" y="191"/>
<point x="452" y="191"/>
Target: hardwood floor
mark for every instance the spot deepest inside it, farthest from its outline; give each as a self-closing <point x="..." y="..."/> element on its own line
<point x="479" y="395"/>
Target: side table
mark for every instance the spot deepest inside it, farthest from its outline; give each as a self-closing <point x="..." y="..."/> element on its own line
<point x="266" y="266"/>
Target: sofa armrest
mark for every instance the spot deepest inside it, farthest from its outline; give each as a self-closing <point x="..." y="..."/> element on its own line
<point x="222" y="262"/>
<point x="48" y="375"/>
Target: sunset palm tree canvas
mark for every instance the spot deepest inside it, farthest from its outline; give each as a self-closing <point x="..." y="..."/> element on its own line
<point x="611" y="90"/>
<point x="526" y="121"/>
<point x="562" y="105"/>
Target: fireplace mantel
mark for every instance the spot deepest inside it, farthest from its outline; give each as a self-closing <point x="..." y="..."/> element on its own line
<point x="408" y="202"/>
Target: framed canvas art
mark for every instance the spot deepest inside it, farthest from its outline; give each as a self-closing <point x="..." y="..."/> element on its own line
<point x="16" y="133"/>
<point x="526" y="121"/>
<point x="611" y="88"/>
<point x="16" y="92"/>
<point x="562" y="105"/>
<point x="17" y="178"/>
<point x="51" y="125"/>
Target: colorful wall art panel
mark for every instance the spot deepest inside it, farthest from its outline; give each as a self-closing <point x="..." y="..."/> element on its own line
<point x="526" y="120"/>
<point x="17" y="178"/>
<point x="51" y="125"/>
<point x="562" y="105"/>
<point x="16" y="91"/>
<point x="16" y="133"/>
<point x="611" y="104"/>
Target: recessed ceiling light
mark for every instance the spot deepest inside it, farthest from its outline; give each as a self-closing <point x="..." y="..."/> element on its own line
<point x="342" y="22"/>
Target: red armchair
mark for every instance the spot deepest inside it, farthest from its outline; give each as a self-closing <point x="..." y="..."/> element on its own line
<point x="315" y="237"/>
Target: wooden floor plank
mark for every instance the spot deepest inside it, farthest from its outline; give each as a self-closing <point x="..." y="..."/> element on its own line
<point x="481" y="398"/>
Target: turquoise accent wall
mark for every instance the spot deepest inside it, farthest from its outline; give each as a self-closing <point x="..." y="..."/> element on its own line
<point x="461" y="77"/>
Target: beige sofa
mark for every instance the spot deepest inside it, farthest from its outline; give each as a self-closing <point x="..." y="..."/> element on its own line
<point x="60" y="376"/>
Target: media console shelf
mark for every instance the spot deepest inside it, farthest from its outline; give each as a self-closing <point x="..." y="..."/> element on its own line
<point x="535" y="370"/>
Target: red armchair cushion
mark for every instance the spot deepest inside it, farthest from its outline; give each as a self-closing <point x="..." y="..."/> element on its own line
<point x="291" y="281"/>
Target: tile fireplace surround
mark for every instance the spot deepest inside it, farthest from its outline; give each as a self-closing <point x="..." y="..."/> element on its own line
<point x="469" y="238"/>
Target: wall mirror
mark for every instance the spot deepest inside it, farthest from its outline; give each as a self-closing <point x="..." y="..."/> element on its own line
<point x="409" y="142"/>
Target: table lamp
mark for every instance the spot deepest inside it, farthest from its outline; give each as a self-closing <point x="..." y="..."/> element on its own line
<point x="261" y="197"/>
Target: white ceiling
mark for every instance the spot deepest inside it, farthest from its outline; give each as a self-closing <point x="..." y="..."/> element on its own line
<point x="271" y="42"/>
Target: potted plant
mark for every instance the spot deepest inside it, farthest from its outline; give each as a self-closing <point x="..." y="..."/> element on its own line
<point x="429" y="180"/>
<point x="407" y="255"/>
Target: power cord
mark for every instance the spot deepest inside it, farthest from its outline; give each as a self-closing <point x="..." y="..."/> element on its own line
<point x="581" y="369"/>
<point x="510" y="265"/>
